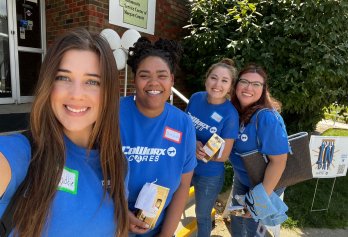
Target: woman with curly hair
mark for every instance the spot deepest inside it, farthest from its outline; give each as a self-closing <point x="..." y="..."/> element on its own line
<point x="158" y="139"/>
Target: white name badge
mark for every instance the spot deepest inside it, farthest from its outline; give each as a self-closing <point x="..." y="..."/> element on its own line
<point x="172" y="135"/>
<point x="69" y="180"/>
<point x="217" y="117"/>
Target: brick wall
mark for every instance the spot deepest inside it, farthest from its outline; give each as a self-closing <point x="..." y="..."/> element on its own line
<point x="62" y="15"/>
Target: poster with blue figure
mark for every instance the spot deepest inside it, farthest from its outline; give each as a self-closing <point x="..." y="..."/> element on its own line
<point x="329" y="156"/>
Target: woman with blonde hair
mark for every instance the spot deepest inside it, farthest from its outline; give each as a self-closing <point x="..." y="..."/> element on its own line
<point x="212" y="113"/>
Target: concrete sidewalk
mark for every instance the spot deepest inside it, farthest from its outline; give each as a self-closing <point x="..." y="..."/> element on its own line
<point x="326" y="124"/>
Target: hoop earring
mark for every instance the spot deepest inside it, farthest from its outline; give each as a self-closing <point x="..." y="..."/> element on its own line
<point x="171" y="97"/>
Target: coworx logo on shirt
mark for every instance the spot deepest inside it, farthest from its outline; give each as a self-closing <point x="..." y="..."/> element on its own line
<point x="199" y="125"/>
<point x="147" y="154"/>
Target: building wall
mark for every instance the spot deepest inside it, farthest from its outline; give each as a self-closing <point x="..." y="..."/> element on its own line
<point x="62" y="15"/>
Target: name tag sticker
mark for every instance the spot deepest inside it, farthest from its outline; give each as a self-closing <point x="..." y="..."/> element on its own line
<point x="68" y="181"/>
<point x="172" y="135"/>
<point x="217" y="117"/>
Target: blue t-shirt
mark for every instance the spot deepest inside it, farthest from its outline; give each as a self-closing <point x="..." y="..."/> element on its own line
<point x="158" y="149"/>
<point x="78" y="208"/>
<point x="272" y="136"/>
<point x="208" y="119"/>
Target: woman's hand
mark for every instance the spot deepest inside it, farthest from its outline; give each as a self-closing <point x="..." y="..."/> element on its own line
<point x="226" y="152"/>
<point x="247" y="213"/>
<point x="135" y="225"/>
<point x="200" y="154"/>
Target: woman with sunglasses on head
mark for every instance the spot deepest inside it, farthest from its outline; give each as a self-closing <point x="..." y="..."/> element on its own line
<point x="211" y="112"/>
<point x="158" y="139"/>
<point x="261" y="129"/>
<point x="75" y="147"/>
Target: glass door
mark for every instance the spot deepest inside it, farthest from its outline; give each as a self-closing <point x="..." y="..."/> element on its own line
<point x="30" y="46"/>
<point x="5" y="69"/>
<point x="22" y="46"/>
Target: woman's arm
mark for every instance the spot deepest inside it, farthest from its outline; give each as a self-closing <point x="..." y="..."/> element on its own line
<point x="227" y="150"/>
<point x="274" y="140"/>
<point x="274" y="171"/>
<point x="176" y="206"/>
<point x="5" y="174"/>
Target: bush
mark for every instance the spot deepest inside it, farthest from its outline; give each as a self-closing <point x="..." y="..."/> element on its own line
<point x="228" y="177"/>
<point x="302" y="44"/>
<point x="337" y="113"/>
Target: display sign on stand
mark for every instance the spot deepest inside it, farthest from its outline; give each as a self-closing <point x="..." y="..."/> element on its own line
<point x="329" y="157"/>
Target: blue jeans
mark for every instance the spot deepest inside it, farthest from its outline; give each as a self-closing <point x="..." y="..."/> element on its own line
<point x="244" y="227"/>
<point x="207" y="189"/>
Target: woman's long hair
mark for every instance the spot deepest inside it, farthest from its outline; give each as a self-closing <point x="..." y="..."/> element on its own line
<point x="265" y="101"/>
<point x="47" y="162"/>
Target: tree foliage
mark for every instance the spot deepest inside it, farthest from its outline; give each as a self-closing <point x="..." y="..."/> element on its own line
<point x="302" y="44"/>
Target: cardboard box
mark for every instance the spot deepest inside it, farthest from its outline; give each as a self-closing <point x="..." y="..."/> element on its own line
<point x="153" y="199"/>
<point x="213" y="145"/>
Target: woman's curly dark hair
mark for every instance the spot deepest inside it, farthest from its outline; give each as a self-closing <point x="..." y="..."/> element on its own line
<point x="168" y="50"/>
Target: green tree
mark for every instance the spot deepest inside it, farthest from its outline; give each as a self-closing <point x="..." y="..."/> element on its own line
<point x="302" y="44"/>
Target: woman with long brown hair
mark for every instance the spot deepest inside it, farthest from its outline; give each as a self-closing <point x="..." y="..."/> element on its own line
<point x="74" y="174"/>
<point x="261" y="128"/>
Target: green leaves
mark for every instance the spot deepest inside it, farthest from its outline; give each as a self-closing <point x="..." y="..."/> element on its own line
<point x="302" y="44"/>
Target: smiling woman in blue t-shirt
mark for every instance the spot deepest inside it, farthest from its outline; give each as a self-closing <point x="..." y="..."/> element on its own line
<point x="211" y="112"/>
<point x="76" y="147"/>
<point x="250" y="96"/>
<point x="158" y="139"/>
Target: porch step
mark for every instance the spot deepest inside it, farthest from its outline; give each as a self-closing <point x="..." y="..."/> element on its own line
<point x="188" y="225"/>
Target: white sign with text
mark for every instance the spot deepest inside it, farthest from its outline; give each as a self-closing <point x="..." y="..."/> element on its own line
<point x="329" y="156"/>
<point x="134" y="14"/>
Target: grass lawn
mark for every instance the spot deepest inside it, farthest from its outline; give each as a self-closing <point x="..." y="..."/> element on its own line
<point x="336" y="132"/>
<point x="299" y="200"/>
